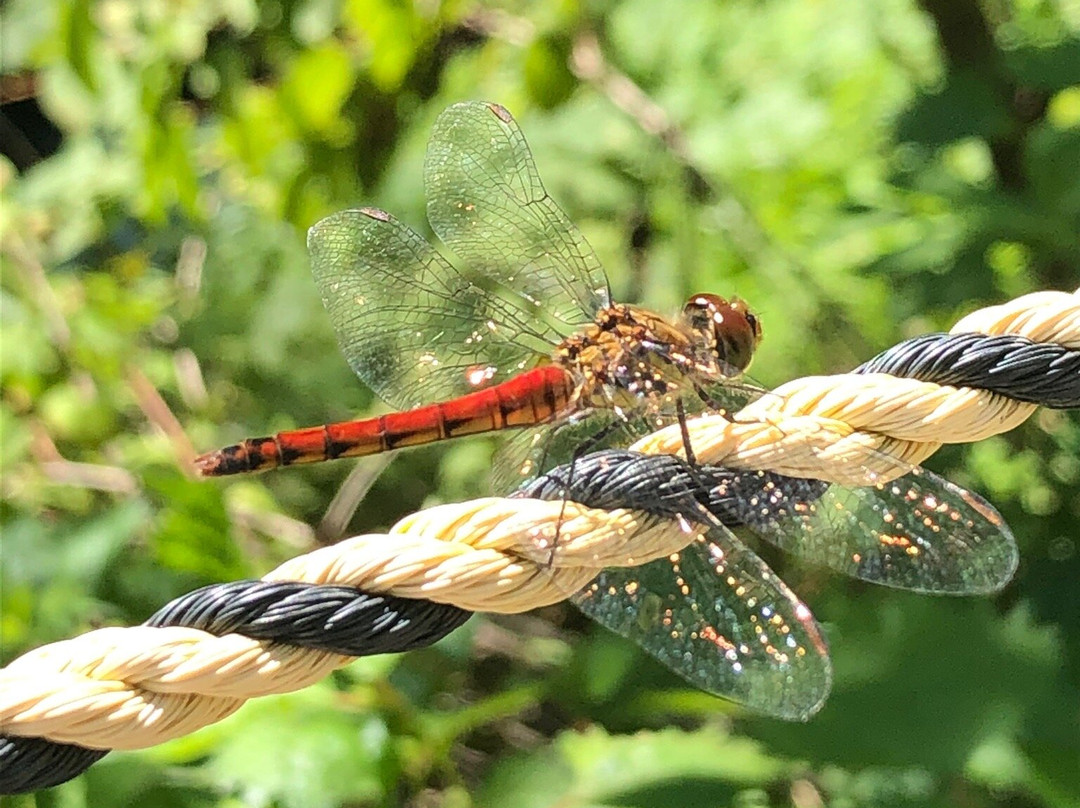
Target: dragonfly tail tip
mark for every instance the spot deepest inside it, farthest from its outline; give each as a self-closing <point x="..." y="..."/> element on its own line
<point x="222" y="462"/>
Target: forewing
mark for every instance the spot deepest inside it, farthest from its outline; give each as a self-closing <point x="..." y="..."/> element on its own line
<point x="719" y="617"/>
<point x="414" y="328"/>
<point x="486" y="202"/>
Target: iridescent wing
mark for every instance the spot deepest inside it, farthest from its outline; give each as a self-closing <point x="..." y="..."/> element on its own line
<point x="712" y="611"/>
<point x="718" y="616"/>
<point x="906" y="528"/>
<point x="413" y="327"/>
<point x="910" y="529"/>
<point x="917" y="532"/>
<point x="486" y="202"/>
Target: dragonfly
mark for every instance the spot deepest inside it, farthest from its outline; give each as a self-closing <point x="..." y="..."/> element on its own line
<point x="523" y="334"/>
<point x="529" y="337"/>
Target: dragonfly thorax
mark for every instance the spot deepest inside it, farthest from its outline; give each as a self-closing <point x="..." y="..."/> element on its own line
<point x="630" y="352"/>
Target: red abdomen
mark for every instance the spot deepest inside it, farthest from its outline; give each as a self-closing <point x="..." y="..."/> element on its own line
<point x="525" y="400"/>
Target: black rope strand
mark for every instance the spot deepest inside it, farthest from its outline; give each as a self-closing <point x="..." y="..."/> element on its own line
<point x="31" y="764"/>
<point x="669" y="487"/>
<point x="1032" y="372"/>
<point x="338" y="619"/>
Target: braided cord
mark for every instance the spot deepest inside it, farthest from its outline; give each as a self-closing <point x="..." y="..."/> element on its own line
<point x="199" y="658"/>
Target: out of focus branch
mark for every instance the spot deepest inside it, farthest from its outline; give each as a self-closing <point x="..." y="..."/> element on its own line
<point x="58" y="469"/>
<point x="349" y="496"/>
<point x="32" y="273"/>
<point x="967" y="43"/>
<point x="587" y="62"/>
<point x="277" y="526"/>
<point x="157" y="411"/>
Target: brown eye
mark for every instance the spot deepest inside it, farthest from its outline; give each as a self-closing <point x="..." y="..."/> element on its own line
<point x="755" y="326"/>
<point x="698" y="312"/>
<point x="731" y="331"/>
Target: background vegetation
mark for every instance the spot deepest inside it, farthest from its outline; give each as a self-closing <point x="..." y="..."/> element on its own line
<point x="860" y="171"/>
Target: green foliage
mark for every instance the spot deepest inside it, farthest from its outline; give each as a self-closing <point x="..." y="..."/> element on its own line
<point x="859" y="171"/>
<point x="707" y="767"/>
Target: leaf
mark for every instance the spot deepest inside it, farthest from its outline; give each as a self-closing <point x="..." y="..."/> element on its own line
<point x="547" y="77"/>
<point x="192" y="528"/>
<point x="647" y="769"/>
<point x="318" y="83"/>
<point x="967" y="105"/>
<point x="300" y="751"/>
<point x="79" y="34"/>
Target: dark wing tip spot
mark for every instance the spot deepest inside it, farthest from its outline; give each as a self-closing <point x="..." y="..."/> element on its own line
<point x="376" y="213"/>
<point x="501" y="112"/>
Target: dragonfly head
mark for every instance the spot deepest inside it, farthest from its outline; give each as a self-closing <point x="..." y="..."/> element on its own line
<point x="726" y="328"/>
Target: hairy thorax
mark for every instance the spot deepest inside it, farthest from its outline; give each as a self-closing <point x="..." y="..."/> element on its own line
<point x="615" y="360"/>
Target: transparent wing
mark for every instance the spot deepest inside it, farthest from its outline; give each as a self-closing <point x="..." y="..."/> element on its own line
<point x="718" y="616"/>
<point x="414" y="328"/>
<point x="486" y="202"/>
<point x="917" y="532"/>
<point x="519" y="457"/>
<point x="526" y="454"/>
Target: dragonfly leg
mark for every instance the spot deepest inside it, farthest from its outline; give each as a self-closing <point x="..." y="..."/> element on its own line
<point x="685" y="430"/>
<point x="693" y="470"/>
<point x="579" y="451"/>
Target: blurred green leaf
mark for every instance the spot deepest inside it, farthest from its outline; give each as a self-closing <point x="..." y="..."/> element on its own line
<point x="547" y="76"/>
<point x="302" y="751"/>
<point x="317" y="86"/>
<point x="966" y="106"/>
<point x="191" y="532"/>
<point x="79" y="41"/>
<point x="594" y="768"/>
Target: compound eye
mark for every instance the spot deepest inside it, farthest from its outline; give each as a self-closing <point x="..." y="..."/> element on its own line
<point x="729" y="328"/>
<point x="698" y="312"/>
<point x="754" y="323"/>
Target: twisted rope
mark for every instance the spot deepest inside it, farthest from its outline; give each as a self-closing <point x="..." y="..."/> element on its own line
<point x="868" y="426"/>
<point x="201" y="657"/>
